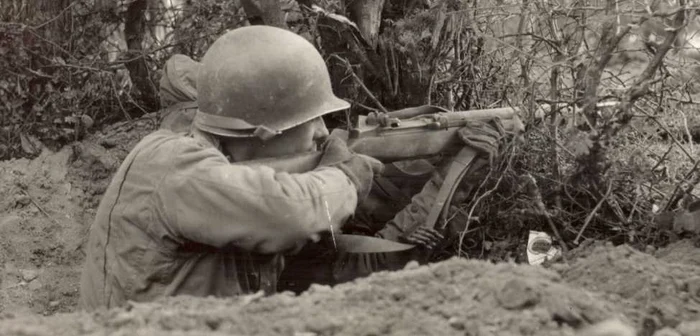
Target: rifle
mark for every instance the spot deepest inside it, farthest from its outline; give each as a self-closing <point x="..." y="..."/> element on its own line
<point x="408" y="134"/>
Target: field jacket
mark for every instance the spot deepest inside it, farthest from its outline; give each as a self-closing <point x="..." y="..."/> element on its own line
<point x="178" y="218"/>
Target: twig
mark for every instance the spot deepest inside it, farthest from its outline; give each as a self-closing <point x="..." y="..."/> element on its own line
<point x="609" y="40"/>
<point x="395" y="69"/>
<point x="361" y="105"/>
<point x="634" y="209"/>
<point x="536" y="195"/>
<point x="116" y="94"/>
<point x="566" y="150"/>
<point x="676" y="195"/>
<point x="387" y="67"/>
<point x="55" y="17"/>
<point x="431" y="82"/>
<point x="670" y="134"/>
<point x="481" y="197"/>
<point x="595" y="210"/>
<point x="66" y="52"/>
<point x="662" y="159"/>
<point x="615" y="206"/>
<point x="133" y="101"/>
<point x="36" y="204"/>
<point x="687" y="131"/>
<point x="360" y="83"/>
<point x="38" y="74"/>
<point x="642" y="83"/>
<point x="471" y="211"/>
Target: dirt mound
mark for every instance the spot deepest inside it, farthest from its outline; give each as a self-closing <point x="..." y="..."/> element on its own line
<point x="654" y="293"/>
<point x="683" y="252"/>
<point x="48" y="203"/>
<point x="97" y="157"/>
<point x="456" y="297"/>
<point x="46" y="207"/>
<point x="39" y="224"/>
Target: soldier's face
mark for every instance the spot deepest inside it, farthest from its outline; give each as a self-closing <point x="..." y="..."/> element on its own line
<point x="302" y="138"/>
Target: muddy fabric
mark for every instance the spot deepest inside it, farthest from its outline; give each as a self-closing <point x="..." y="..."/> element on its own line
<point x="177" y="218"/>
<point x="179" y="81"/>
<point x="178" y="93"/>
<point x="178" y="118"/>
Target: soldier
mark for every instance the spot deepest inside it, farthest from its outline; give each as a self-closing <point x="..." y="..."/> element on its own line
<point x="178" y="218"/>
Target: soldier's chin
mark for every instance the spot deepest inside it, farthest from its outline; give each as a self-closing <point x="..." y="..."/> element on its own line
<point x="294" y="250"/>
<point x="318" y="144"/>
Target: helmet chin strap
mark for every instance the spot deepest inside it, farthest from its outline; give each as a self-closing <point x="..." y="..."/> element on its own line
<point x="237" y="149"/>
<point x="265" y="133"/>
<point x="206" y="138"/>
<point x="241" y="152"/>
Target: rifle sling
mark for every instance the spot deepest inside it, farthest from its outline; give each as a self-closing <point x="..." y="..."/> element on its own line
<point x="459" y="167"/>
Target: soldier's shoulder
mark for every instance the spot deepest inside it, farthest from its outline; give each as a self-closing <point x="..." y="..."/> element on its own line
<point x="168" y="146"/>
<point x="164" y="140"/>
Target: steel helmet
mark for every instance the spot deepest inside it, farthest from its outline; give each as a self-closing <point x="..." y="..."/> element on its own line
<point x="260" y="81"/>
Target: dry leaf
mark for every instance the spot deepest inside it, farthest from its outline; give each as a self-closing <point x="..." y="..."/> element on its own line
<point x="30" y="144"/>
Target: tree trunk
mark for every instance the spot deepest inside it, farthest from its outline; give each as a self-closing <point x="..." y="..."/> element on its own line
<point x="134" y="30"/>
<point x="367" y="14"/>
<point x="264" y="12"/>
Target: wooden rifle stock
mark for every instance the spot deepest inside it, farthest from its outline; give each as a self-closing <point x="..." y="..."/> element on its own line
<point x="389" y="138"/>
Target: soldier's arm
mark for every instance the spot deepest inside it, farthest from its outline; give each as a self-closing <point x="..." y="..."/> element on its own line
<point x="258" y="209"/>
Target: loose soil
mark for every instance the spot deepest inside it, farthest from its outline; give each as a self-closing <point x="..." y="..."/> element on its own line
<point x="48" y="203"/>
<point x="46" y="207"/>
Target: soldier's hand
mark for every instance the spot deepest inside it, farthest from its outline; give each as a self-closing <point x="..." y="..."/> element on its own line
<point x="359" y="168"/>
<point x="484" y="136"/>
<point x="425" y="237"/>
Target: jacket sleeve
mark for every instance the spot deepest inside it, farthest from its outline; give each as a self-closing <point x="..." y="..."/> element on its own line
<point x="207" y="200"/>
<point x="412" y="215"/>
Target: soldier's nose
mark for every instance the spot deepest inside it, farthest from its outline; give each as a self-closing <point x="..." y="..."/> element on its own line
<point x="321" y="131"/>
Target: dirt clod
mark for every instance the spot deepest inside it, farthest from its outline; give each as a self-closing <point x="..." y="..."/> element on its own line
<point x="22" y="200"/>
<point x="29" y="275"/>
<point x="667" y="332"/>
<point x="517" y="294"/>
<point x="456" y="323"/>
<point x="689" y="328"/>
<point x="644" y="285"/>
<point x="613" y="327"/>
<point x="682" y="252"/>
